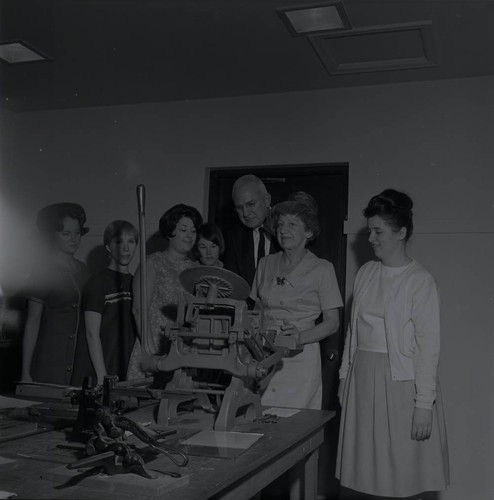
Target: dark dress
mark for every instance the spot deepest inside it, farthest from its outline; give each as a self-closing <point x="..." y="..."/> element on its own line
<point x="109" y="293"/>
<point x="59" y="290"/>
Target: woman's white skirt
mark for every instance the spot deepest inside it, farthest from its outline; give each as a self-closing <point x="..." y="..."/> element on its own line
<point x="375" y="452"/>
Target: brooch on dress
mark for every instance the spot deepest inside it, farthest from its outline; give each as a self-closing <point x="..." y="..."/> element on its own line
<point x="282" y="281"/>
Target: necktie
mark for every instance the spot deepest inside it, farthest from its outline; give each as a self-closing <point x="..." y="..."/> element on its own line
<point x="261" y="247"/>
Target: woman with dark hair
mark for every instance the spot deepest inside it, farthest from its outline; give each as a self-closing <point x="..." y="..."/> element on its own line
<point x="178" y="226"/>
<point x="210" y="245"/>
<point x="294" y="288"/>
<point x="54" y="295"/>
<point x="392" y="439"/>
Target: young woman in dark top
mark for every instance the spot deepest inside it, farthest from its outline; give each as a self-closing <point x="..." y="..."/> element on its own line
<point x="54" y="297"/>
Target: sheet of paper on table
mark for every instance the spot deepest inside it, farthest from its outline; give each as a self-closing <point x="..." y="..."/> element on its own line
<point x="281" y="412"/>
<point x="220" y="443"/>
<point x="7" y="494"/>
<point x="6" y="402"/>
<point x="5" y="460"/>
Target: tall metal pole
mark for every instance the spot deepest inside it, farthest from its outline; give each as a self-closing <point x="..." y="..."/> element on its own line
<point x="141" y="207"/>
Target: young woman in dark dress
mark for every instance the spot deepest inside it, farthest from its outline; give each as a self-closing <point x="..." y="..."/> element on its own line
<point x="54" y="297"/>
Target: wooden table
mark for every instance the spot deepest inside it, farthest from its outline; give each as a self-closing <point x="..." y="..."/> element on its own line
<point x="290" y="444"/>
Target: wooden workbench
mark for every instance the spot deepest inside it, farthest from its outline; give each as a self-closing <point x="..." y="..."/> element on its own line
<point x="290" y="444"/>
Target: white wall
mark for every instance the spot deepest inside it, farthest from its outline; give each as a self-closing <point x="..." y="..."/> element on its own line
<point x="432" y="139"/>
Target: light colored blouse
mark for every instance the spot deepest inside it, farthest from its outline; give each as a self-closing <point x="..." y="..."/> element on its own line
<point x="370" y="319"/>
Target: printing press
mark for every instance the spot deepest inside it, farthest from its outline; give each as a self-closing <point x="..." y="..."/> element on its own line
<point x="216" y="331"/>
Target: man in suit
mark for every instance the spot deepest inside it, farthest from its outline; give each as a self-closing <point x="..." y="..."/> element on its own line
<point x="247" y="242"/>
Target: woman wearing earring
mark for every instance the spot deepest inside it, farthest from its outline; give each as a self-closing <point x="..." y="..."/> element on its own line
<point x="54" y="315"/>
<point x="392" y="440"/>
<point x="178" y="226"/>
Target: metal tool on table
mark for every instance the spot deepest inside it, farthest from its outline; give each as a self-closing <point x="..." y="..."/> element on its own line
<point x="103" y="430"/>
<point x="43" y="391"/>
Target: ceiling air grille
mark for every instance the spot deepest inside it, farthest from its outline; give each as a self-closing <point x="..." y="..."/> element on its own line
<point x="377" y="48"/>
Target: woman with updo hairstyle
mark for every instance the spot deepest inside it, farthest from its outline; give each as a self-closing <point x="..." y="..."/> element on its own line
<point x="54" y="296"/>
<point x="178" y="226"/>
<point x="392" y="440"/>
<point x="294" y="287"/>
<point x="306" y="198"/>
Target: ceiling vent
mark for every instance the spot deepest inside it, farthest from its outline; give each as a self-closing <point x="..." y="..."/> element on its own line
<point x="18" y="52"/>
<point x="377" y="48"/>
<point x="318" y="18"/>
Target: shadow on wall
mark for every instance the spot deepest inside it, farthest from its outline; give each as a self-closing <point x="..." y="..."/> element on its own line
<point x="363" y="253"/>
<point x="98" y="258"/>
<point x="361" y="248"/>
<point x="156" y="243"/>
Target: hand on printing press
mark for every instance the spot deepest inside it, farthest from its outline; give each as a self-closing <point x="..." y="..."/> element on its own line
<point x="289" y="336"/>
<point x="290" y="329"/>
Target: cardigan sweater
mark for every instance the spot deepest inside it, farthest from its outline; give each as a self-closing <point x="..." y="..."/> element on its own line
<point x="412" y="328"/>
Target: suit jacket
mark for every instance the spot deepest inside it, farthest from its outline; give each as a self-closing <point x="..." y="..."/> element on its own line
<point x="239" y="251"/>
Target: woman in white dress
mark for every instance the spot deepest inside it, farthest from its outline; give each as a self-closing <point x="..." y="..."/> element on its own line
<point x="294" y="288"/>
<point x="392" y="440"/>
